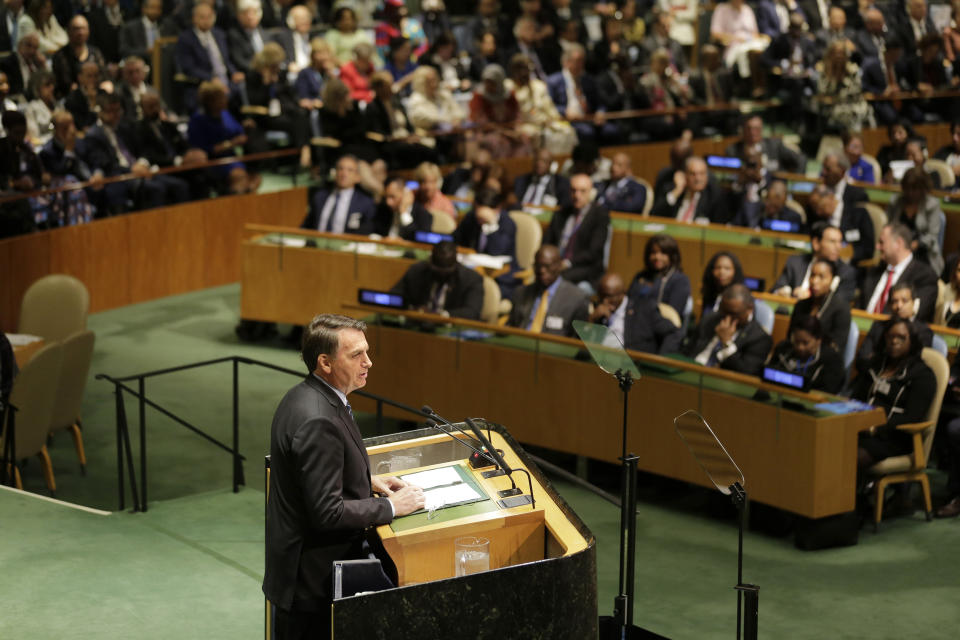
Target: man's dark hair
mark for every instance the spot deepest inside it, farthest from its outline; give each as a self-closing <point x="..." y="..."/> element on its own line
<point x="105" y="100"/>
<point x="322" y="336"/>
<point x="444" y="255"/>
<point x="809" y="323"/>
<point x="901" y="231"/>
<point x="902" y="286"/>
<point x="738" y="291"/>
<point x="487" y="197"/>
<point x="819" y="228"/>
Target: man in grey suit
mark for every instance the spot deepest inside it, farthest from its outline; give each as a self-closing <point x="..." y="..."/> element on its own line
<point x="322" y="495"/>
<point x="550" y="304"/>
<point x="776" y="156"/>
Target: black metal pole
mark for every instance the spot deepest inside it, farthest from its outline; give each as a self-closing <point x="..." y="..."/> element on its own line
<point x="739" y="569"/>
<point x="119" y="402"/>
<point x="236" y="426"/>
<point x="142" y="386"/>
<point x="631" y="501"/>
<point x="127" y="453"/>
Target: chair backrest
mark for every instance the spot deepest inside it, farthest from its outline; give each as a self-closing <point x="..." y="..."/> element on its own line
<point x="850" y="350"/>
<point x="606" y="247"/>
<point x="54" y="308"/>
<point x="829" y="144"/>
<point x="947" y="178"/>
<point x="529" y="237"/>
<point x="877" y="216"/>
<point x="491" y="301"/>
<point x="648" y="203"/>
<point x="941" y="370"/>
<point x="670" y="314"/>
<point x="796" y="207"/>
<point x="442" y="223"/>
<point x="763" y="315"/>
<point x="943" y="228"/>
<point x="34" y="395"/>
<point x="870" y="160"/>
<point x="77" y="354"/>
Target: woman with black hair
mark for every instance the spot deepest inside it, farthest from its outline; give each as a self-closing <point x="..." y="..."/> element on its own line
<point x="721" y="271"/>
<point x="805" y="353"/>
<point x="832" y="310"/>
<point x="898" y="382"/>
<point x="662" y="277"/>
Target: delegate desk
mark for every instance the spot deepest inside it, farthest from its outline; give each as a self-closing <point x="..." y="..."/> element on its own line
<point x="542" y="581"/>
<point x="794" y="455"/>
<point x="285" y="279"/>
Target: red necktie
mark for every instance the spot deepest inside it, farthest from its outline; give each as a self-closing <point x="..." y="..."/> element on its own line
<point x="882" y="300"/>
<point x="687" y="215"/>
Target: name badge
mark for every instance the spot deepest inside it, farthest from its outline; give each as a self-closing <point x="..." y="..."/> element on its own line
<point x="353" y="220"/>
<point x="554" y="323"/>
<point x="883" y="387"/>
<point x="549" y="201"/>
<point x="852" y="235"/>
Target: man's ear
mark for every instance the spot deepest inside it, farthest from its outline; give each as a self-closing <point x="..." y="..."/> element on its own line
<point x="323" y="362"/>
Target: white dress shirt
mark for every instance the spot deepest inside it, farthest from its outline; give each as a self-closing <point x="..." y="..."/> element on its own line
<point x="882" y="283"/>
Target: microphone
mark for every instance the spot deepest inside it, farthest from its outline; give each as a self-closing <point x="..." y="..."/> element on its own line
<point x="478" y="453"/>
<point x="433" y="425"/>
<point x="511" y="497"/>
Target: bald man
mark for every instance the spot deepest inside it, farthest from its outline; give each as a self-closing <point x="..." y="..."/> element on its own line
<point x="68" y="60"/>
<point x="549" y="304"/>
<point x="730" y="338"/>
<point x="621" y="192"/>
<point x="636" y="322"/>
<point x="694" y="197"/>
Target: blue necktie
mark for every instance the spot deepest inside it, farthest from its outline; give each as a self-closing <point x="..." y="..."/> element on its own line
<point x="712" y="361"/>
<point x="333" y="212"/>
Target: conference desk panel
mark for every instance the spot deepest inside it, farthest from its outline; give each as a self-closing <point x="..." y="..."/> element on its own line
<point x="803" y="462"/>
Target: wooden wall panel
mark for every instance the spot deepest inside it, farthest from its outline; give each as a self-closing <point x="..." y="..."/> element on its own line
<point x="29" y="259"/>
<point x="97" y="255"/>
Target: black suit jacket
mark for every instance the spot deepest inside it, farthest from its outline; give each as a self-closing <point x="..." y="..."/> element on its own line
<point x="834" y="319"/>
<point x="586" y="256"/>
<point x="97" y="151"/>
<point x="795" y="269"/>
<point x="160" y="142"/>
<point x="921" y="277"/>
<point x="874" y="339"/>
<point x="105" y="35"/>
<point x="422" y="221"/>
<point x="644" y="329"/>
<point x="464" y="299"/>
<point x="779" y="157"/>
<point x="568" y="303"/>
<point x="360" y="215"/>
<point x="753" y="345"/>
<point x="133" y="39"/>
<point x="10" y="65"/>
<point x="58" y="163"/>
<point x="558" y="187"/>
<point x="713" y="204"/>
<point x="241" y="47"/>
<point x="6" y="44"/>
<point x="192" y="58"/>
<point x="320" y="499"/>
<point x="724" y="85"/>
<point x="857" y="228"/>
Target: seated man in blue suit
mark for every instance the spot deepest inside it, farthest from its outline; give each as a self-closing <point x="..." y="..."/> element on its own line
<point x="731" y="338"/>
<point x="635" y="321"/>
<point x="770" y="209"/>
<point x="202" y="54"/>
<point x="488" y="228"/>
<point x="346" y="208"/>
<point x="542" y="186"/>
<point x="621" y="192"/>
<point x="574" y="94"/>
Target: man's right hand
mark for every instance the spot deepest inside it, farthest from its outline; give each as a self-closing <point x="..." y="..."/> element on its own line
<point x="407" y="500"/>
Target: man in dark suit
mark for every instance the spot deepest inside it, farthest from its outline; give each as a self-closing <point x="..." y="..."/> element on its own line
<point x="776" y="155"/>
<point x="344" y="209"/>
<point x="105" y="24"/>
<point x="247" y="38"/>
<point x="916" y="25"/>
<point x="898" y="265"/>
<point x="730" y="338"/>
<point x="22" y="64"/>
<point x="836" y="29"/>
<point x="834" y="174"/>
<point x="826" y="242"/>
<point x="9" y="24"/>
<point x="711" y="84"/>
<point x="636" y="322"/>
<point x="621" y="192"/>
<point x="399" y="215"/>
<point x="871" y="40"/>
<point x="490" y="18"/>
<point x="322" y="493"/>
<point x="441" y="285"/>
<point x="550" y="304"/>
<point x="680" y="150"/>
<point x="295" y="38"/>
<point x="464" y="181"/>
<point x="487" y="228"/>
<point x="162" y="145"/>
<point x="903" y="304"/>
<point x="68" y="59"/>
<point x="202" y="53"/>
<point x="542" y="186"/>
<point x="816" y="12"/>
<point x="579" y="231"/>
<point x="693" y="197"/>
<point x="790" y="61"/>
<point x="574" y="94"/>
<point x="769" y="210"/>
<point x="138" y="35"/>
<point x="659" y="38"/>
<point x="852" y="219"/>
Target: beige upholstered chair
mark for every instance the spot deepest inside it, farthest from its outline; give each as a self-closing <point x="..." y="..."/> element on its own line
<point x="54" y="307"/>
<point x="912" y="467"/>
<point x="442" y="223"/>
<point x="797" y="208"/>
<point x="670" y="314"/>
<point x="34" y="395"/>
<point x="77" y="354"/>
<point x="491" y="301"/>
<point x="870" y="160"/>
<point x="529" y="237"/>
<point x="877" y="216"/>
<point x="648" y="203"/>
<point x="947" y="177"/>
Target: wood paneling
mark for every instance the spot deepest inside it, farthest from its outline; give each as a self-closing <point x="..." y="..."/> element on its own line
<point x="145" y="255"/>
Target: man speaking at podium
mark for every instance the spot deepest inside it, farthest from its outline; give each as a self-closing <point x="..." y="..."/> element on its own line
<point x="321" y="500"/>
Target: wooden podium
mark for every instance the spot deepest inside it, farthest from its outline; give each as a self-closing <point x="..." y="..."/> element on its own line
<point x="542" y="581"/>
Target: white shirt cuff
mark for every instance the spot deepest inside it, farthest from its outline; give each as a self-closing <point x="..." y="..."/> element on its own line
<point x="393" y="510"/>
<point x="726" y="352"/>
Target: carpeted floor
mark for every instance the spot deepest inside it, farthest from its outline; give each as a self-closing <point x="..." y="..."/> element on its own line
<point x="190" y="567"/>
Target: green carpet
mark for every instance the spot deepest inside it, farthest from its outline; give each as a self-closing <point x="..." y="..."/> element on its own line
<point x="190" y="567"/>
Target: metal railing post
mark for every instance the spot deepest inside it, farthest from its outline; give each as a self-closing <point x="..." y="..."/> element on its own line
<point x="237" y="470"/>
<point x="142" y="386"/>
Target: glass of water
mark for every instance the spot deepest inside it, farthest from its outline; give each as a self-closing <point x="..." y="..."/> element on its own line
<point x="471" y="555"/>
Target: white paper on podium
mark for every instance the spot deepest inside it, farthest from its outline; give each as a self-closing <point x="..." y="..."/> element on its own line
<point x="433" y="478"/>
<point x="452" y="494"/>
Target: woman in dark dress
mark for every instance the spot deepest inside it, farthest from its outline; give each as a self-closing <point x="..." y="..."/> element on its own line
<point x="806" y="353"/>
<point x="342" y="120"/>
<point x="832" y="310"/>
<point x="898" y="382"/>
<point x="662" y="277"/>
<point x="721" y="271"/>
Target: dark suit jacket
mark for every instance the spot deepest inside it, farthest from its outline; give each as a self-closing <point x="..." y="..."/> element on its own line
<point x="422" y="221"/>
<point x="826" y="373"/>
<point x="10" y="65"/>
<point x="464" y="299"/>
<point x="834" y="319"/>
<point x="160" y="142"/>
<point x="586" y="257"/>
<point x="856" y="221"/>
<point x="874" y="339"/>
<point x="630" y="198"/>
<point x="779" y="157"/>
<point x="360" y="217"/>
<point x="795" y="268"/>
<point x="241" y="47"/>
<point x="454" y="180"/>
<point x="98" y="153"/>
<point x="872" y="77"/>
<point x="558" y="187"/>
<point x="698" y="85"/>
<point x="15" y="163"/>
<point x="502" y="242"/>
<point x="753" y="345"/>
<point x="133" y="39"/>
<point x="284" y="38"/>
<point x="557" y="88"/>
<point x="751" y="215"/>
<point x="712" y="204"/>
<point x="866" y="46"/>
<point x="569" y="303"/>
<point x="192" y="58"/>
<point x="781" y="48"/>
<point x="58" y="163"/>
<point x="644" y="329"/>
<point x="673" y="288"/>
<point x="906" y="33"/>
<point x="104" y="35"/>
<point x="922" y="278"/>
<point x="6" y="44"/>
<point x="320" y="499"/>
<point x="66" y="66"/>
